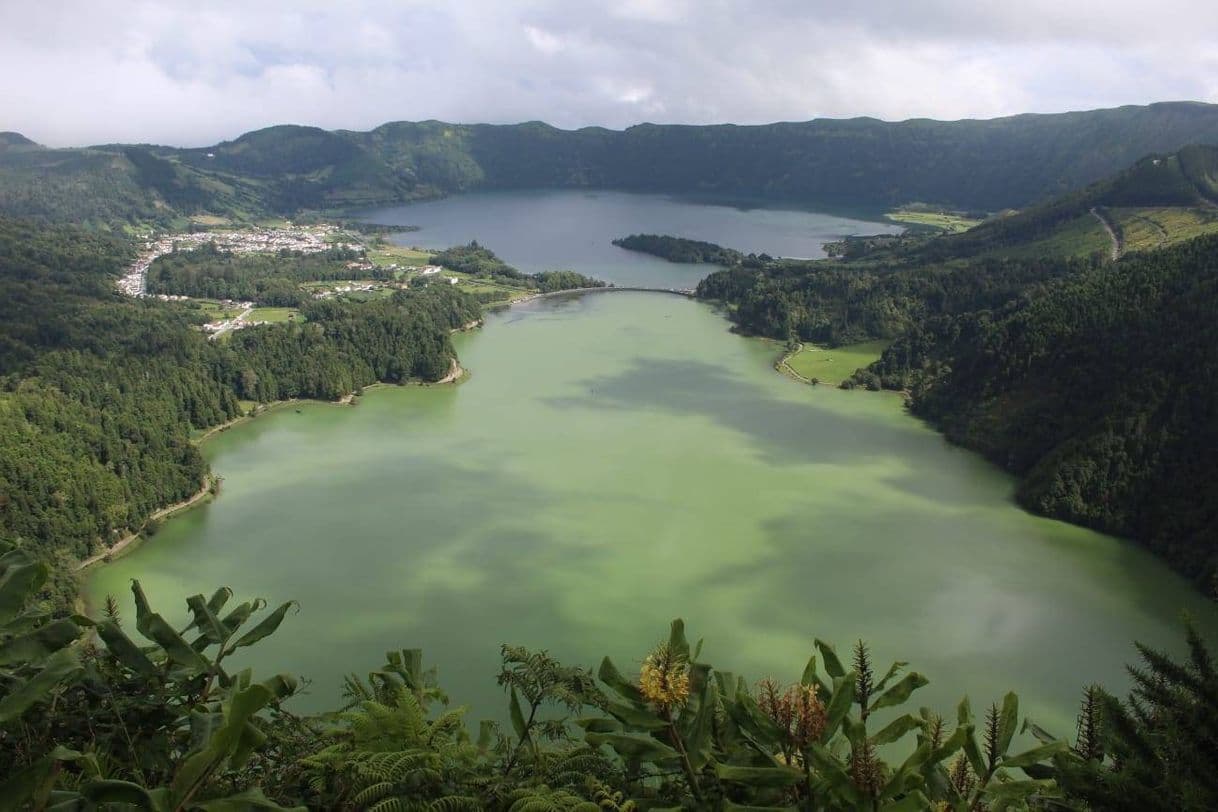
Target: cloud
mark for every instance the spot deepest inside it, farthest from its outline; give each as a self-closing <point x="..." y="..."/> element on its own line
<point x="185" y="73"/>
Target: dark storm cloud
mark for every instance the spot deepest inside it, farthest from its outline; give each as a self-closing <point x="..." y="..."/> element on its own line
<point x="193" y="73"/>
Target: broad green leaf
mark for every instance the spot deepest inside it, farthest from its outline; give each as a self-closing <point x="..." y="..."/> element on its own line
<point x="109" y="791"/>
<point x="609" y="675"/>
<point x="834" y="773"/>
<point x="1039" y="733"/>
<point x="1019" y="789"/>
<point x="855" y="731"/>
<point x="38" y="644"/>
<point x="20" y="577"/>
<point x="266" y="628"/>
<point x="896" y="729"/>
<point x="206" y="621"/>
<point x="518" y="724"/>
<point x="839" y="705"/>
<point x="759" y="776"/>
<point x="1036" y="754"/>
<point x="124" y="650"/>
<point x="633" y="717"/>
<point x="893" y="670"/>
<point x="634" y="746"/>
<point x="698" y="739"/>
<point x="58" y="668"/>
<point x="599" y="724"/>
<point x="900" y="692"/>
<point x="245" y="801"/>
<point x="1008" y="719"/>
<point x="914" y="802"/>
<point x="833" y="666"/>
<point x="728" y="806"/>
<point x="676" y="639"/>
<point x="964" y="713"/>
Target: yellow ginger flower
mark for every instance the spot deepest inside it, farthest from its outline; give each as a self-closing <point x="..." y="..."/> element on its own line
<point x="664" y="678"/>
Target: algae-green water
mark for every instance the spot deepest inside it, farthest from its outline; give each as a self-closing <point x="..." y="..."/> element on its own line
<point x="619" y="459"/>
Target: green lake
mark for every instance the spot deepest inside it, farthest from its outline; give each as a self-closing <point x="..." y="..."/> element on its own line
<point x="619" y="459"/>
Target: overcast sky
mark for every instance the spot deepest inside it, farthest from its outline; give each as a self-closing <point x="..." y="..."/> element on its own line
<point x="193" y="73"/>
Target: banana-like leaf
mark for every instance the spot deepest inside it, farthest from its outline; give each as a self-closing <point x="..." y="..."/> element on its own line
<point x="124" y="650"/>
<point x="896" y="729"/>
<point x="1011" y="790"/>
<point x="39" y="643"/>
<point x="245" y="801"/>
<point x="1008" y="719"/>
<point x="893" y="670"/>
<point x="32" y="786"/>
<point x="232" y="741"/>
<point x="834" y="774"/>
<point x="953" y="743"/>
<point x="1035" y="755"/>
<point x="205" y="620"/>
<point x="698" y="738"/>
<point x="677" y="643"/>
<point x="609" y="675"/>
<point x="833" y="666"/>
<point x="748" y="715"/>
<point x="839" y="705"/>
<point x="237" y="617"/>
<point x="599" y="724"/>
<point x="633" y="746"/>
<point x="855" y="730"/>
<point x="914" y="802"/>
<point x="769" y="777"/>
<point x="518" y="724"/>
<point x="155" y="628"/>
<point x="108" y="791"/>
<point x="907" y="777"/>
<point x="59" y="667"/>
<point x="900" y="692"/>
<point x="266" y="628"/>
<point x="632" y="717"/>
<point x="1039" y="733"/>
<point x="964" y="713"/>
<point x="20" y="577"/>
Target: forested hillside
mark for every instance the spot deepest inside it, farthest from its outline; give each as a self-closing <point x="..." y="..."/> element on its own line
<point x="1100" y="388"/>
<point x="856" y="163"/>
<point x="1094" y="380"/>
<point x="100" y="394"/>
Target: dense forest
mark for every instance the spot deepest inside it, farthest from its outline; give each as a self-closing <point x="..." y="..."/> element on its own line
<point x="266" y="279"/>
<point x="679" y="249"/>
<point x="482" y="263"/>
<point x="155" y="717"/>
<point x="101" y="394"/>
<point x="1095" y="381"/>
<point x="855" y="163"/>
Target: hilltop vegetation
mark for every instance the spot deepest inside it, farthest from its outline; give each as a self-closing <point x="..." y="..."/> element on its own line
<point x="679" y="249"/>
<point x="482" y="263"/>
<point x="101" y="394"/>
<point x="856" y="163"/>
<point x="1095" y="381"/>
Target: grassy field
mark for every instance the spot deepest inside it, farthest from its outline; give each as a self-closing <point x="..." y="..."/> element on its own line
<point x="216" y="310"/>
<point x="275" y="315"/>
<point x="1079" y="237"/>
<point x="941" y="221"/>
<point x="832" y="366"/>
<point x="1151" y="228"/>
<point x="396" y="254"/>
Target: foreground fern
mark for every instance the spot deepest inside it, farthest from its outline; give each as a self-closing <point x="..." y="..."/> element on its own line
<point x="164" y="725"/>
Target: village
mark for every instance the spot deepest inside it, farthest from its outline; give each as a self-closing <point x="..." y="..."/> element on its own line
<point x="304" y="239"/>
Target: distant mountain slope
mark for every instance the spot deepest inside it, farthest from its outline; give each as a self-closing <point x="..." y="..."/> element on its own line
<point x="1185" y="180"/>
<point x="12" y="139"/>
<point x="856" y="163"/>
<point x="989" y="165"/>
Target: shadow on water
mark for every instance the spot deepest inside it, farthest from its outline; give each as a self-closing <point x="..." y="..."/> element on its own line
<point x="782" y="430"/>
